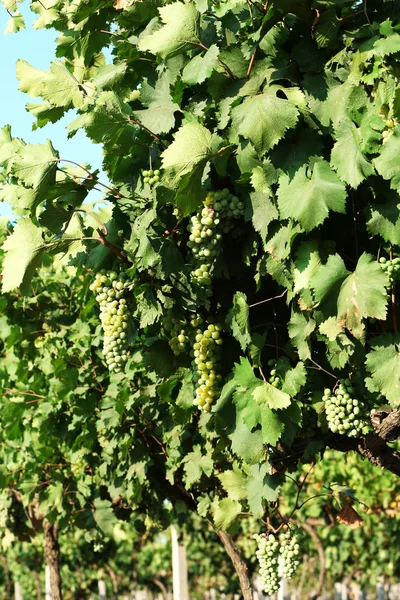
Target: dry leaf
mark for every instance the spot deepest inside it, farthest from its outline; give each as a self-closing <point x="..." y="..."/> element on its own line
<point x="350" y="517"/>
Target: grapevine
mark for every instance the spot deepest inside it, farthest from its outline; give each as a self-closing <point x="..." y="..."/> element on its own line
<point x="114" y="317"/>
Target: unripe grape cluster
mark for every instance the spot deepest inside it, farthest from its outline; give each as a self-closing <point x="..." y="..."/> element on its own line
<point x="110" y="289"/>
<point x="206" y="354"/>
<point x="388" y="131"/>
<point x="343" y="411"/>
<point x="391" y="268"/>
<point x="180" y="336"/>
<point x="151" y="177"/>
<point x="274" y="378"/>
<point x="278" y="557"/>
<point x="289" y="555"/>
<point x="267" y="554"/>
<point x="206" y="229"/>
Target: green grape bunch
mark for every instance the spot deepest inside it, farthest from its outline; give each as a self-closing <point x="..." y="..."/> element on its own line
<point x="206" y="354"/>
<point x="110" y="289"/>
<point x="206" y="230"/>
<point x="289" y="555"/>
<point x="151" y="177"/>
<point x="392" y="270"/>
<point x="274" y="378"/>
<point x="179" y="333"/>
<point x="267" y="554"/>
<point x="344" y="412"/>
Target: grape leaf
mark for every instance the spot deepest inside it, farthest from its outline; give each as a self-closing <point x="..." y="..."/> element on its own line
<point x="384" y="219"/>
<point x="265" y="393"/>
<point x="58" y="85"/>
<point x="159" y="116"/>
<point x="264" y="119"/>
<point x="238" y="320"/>
<point x="347" y="158"/>
<point x="104" y="516"/>
<point x="35" y="165"/>
<point x="387" y="164"/>
<point x="261" y="486"/>
<point x="300" y="328"/>
<point x="233" y="483"/>
<point x="201" y="67"/>
<point x="23" y="255"/>
<point x="108" y="121"/>
<point x="225" y="512"/>
<point x="180" y="28"/>
<point x="308" y="199"/>
<point x="188" y="155"/>
<point x="356" y="296"/>
<point x="264" y="212"/>
<point x="247" y="445"/>
<point x="383" y="362"/>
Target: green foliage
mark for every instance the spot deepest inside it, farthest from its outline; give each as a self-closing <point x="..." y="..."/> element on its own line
<point x="291" y="114"/>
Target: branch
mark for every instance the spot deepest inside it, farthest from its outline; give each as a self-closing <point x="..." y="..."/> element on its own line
<point x="238" y="563"/>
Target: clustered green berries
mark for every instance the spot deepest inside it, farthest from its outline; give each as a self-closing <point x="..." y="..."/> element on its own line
<point x="267" y="554"/>
<point x="343" y="412"/>
<point x="274" y="378"/>
<point x="391" y="268"/>
<point x="290" y="550"/>
<point x="206" y="354"/>
<point x="206" y="229"/>
<point x="114" y="318"/>
<point x="388" y="131"/>
<point x="151" y="177"/>
<point x="179" y="335"/>
<point x="277" y="557"/>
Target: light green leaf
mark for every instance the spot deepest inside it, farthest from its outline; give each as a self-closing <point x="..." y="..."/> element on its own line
<point x="354" y="296"/>
<point x="233" y="483"/>
<point x="201" y="66"/>
<point x="104" y="516"/>
<point x="159" y="116"/>
<point x="300" y="328"/>
<point x="36" y="164"/>
<point x="238" y="319"/>
<point x="384" y="219"/>
<point x="192" y="148"/>
<point x="383" y="362"/>
<point x="387" y="164"/>
<point x="58" y="85"/>
<point x="264" y="212"/>
<point x="272" y="397"/>
<point x="108" y="121"/>
<point x="347" y="158"/>
<point x="247" y="445"/>
<point x="225" y="512"/>
<point x="15" y="24"/>
<point x="264" y="119"/>
<point x="23" y="255"/>
<point x="308" y="198"/>
<point x="261" y="486"/>
<point x="179" y="29"/>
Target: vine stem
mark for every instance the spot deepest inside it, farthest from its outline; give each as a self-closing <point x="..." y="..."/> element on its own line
<point x="154" y="135"/>
<point x="268" y="299"/>
<point x="110" y="246"/>
<point x="322" y="369"/>
<point x="90" y="176"/>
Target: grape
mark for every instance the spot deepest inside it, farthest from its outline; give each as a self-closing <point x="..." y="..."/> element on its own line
<point x="178" y="334"/>
<point x="110" y="289"/>
<point x="206" y="356"/>
<point x="289" y="553"/>
<point x="392" y="269"/>
<point x="268" y="556"/>
<point x="205" y="233"/>
<point x="343" y="412"/>
<point x="151" y="177"/>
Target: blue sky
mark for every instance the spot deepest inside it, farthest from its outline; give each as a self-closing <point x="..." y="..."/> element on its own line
<point x="38" y="48"/>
